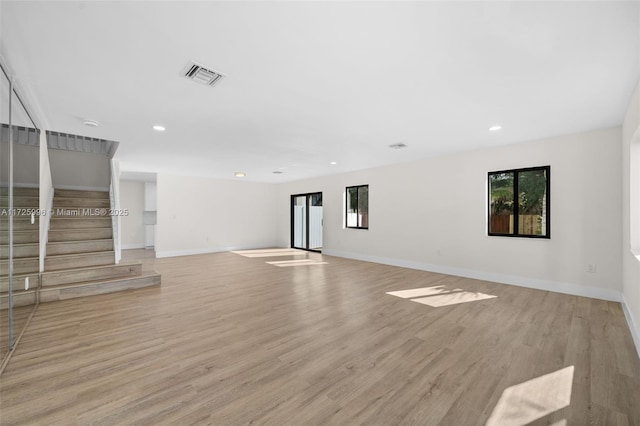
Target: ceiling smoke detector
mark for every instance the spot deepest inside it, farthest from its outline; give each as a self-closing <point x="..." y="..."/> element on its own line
<point x="203" y="75"/>
<point x="399" y="145"/>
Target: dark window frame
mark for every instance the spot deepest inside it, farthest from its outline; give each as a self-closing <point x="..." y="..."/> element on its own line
<point x="346" y="207"/>
<point x="308" y="196"/>
<point x="516" y="218"/>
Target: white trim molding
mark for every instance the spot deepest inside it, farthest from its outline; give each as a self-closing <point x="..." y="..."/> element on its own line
<point x="633" y="325"/>
<point x="132" y="246"/>
<point x="190" y="252"/>
<point x="555" y="286"/>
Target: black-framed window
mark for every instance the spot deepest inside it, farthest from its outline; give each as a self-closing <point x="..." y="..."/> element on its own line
<point x="519" y="202"/>
<point x="357" y="212"/>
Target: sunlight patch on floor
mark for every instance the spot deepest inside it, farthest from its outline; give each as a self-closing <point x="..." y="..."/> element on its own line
<point x="440" y="296"/>
<point x="420" y="292"/>
<point x="523" y="403"/>
<point x="301" y="262"/>
<point x="270" y="252"/>
<point x="452" y="298"/>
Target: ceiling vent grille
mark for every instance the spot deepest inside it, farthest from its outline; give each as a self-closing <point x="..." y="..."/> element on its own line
<point x="399" y="145"/>
<point x="203" y="75"/>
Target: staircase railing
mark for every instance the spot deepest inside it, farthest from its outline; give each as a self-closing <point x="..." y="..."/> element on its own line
<point x="114" y="195"/>
<point x="46" y="197"/>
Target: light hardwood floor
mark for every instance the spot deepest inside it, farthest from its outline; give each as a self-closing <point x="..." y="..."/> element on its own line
<point x="232" y="340"/>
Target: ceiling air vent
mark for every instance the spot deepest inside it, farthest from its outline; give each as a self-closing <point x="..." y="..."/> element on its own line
<point x="399" y="145"/>
<point x="203" y="75"/>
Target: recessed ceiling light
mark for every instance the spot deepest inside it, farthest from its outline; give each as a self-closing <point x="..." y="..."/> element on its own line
<point x="277" y="172"/>
<point x="159" y="128"/>
<point x="398" y="145"/>
<point x="239" y="174"/>
<point x="333" y="163"/>
<point x="91" y="123"/>
<point x="495" y="128"/>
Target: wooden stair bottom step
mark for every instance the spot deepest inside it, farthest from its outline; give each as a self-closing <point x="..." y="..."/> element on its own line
<point x="79" y="275"/>
<point x="20" y="298"/>
<point x="52" y="294"/>
<point x="70" y="261"/>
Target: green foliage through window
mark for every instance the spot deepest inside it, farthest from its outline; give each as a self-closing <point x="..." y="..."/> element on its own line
<point x="519" y="202"/>
<point x="357" y="214"/>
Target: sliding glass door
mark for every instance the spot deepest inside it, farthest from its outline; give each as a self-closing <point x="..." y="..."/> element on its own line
<point x="306" y="221"/>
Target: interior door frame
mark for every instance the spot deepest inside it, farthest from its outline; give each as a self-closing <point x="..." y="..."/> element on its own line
<point x="307" y="196"/>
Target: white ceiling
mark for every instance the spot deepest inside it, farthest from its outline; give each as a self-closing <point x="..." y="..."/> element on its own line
<point x="309" y="82"/>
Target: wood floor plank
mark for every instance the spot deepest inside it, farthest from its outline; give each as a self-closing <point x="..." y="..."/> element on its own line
<point x="230" y="339"/>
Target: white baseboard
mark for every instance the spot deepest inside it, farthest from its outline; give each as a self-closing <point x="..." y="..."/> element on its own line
<point x="132" y="246"/>
<point x="555" y="286"/>
<point x="190" y="252"/>
<point x="633" y="325"/>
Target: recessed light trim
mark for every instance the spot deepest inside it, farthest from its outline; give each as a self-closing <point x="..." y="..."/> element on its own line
<point x="398" y="145"/>
<point x="277" y="172"/>
<point x="240" y="174"/>
<point x="91" y="123"/>
<point x="333" y="163"/>
<point x="159" y="128"/>
<point x="495" y="128"/>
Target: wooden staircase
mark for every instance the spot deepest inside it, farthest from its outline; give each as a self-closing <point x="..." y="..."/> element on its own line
<point x="25" y="248"/>
<point x="80" y="259"/>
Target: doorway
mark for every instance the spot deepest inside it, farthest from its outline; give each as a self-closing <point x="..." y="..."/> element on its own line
<point x="306" y="221"/>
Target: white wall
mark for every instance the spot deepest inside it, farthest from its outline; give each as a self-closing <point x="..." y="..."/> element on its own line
<point x="431" y="214"/>
<point x="79" y="170"/>
<point x="132" y="198"/>
<point x="46" y="194"/>
<point x="631" y="215"/>
<point x="200" y="215"/>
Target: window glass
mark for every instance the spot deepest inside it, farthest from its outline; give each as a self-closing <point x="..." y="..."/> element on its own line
<point x="519" y="202"/>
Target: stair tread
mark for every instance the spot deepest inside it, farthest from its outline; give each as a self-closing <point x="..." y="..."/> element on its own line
<point x="80" y="229"/>
<point x="20" y="244"/>
<point x="79" y="241"/>
<point x="145" y="274"/>
<point x="91" y="253"/>
<point x="80" y="217"/>
<point x="88" y="268"/>
<point x="21" y="259"/>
